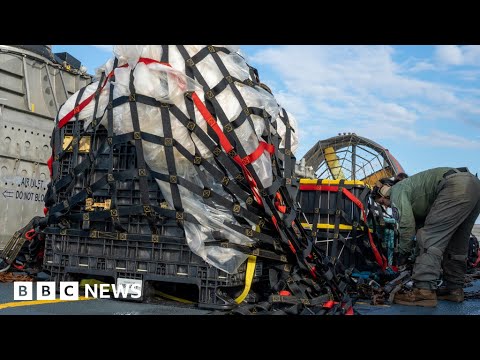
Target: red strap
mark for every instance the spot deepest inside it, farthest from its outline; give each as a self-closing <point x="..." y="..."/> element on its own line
<point x="148" y="61"/>
<point x="275" y="223"/>
<point x="381" y="260"/>
<point x="278" y="202"/>
<point x="30" y="234"/>
<point x="85" y="102"/>
<point x="284" y="293"/>
<point x="353" y="198"/>
<point x="212" y="123"/>
<point x="82" y="105"/>
<point x="318" y="188"/>
<point x="262" y="146"/>
<point x="290" y="245"/>
<point x="210" y="120"/>
<point x="45" y="211"/>
<point x="329" y="304"/>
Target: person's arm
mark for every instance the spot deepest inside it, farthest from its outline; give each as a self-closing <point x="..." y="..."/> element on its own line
<point x="402" y="212"/>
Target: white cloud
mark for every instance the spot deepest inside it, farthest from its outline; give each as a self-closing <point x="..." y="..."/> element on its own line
<point x="458" y="55"/>
<point x="422" y="66"/>
<point x="452" y="141"/>
<point x="108" y="48"/>
<point x="361" y="89"/>
<point x="449" y="54"/>
<point x="432" y="137"/>
<point x="471" y="54"/>
<point x="468" y="75"/>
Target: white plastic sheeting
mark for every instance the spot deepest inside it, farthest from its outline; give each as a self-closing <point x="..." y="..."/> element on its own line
<point x="168" y="84"/>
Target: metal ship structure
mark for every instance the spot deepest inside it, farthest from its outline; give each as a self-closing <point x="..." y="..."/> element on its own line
<point x="34" y="83"/>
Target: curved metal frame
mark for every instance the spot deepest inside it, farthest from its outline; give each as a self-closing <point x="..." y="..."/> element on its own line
<point x="316" y="155"/>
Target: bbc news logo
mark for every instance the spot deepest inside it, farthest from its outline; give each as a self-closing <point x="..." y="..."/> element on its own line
<point x="69" y="290"/>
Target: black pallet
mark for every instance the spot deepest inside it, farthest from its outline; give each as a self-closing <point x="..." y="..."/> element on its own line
<point x="168" y="261"/>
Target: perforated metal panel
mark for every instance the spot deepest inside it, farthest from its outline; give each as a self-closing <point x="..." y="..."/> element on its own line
<point x="31" y="90"/>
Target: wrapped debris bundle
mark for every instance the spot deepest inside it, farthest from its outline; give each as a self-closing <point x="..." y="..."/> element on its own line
<point x="220" y="148"/>
<point x="249" y="115"/>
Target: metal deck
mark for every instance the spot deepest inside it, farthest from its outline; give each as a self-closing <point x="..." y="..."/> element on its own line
<point x="117" y="307"/>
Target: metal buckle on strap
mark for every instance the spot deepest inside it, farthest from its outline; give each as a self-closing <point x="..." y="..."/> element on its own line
<point x="206" y="193"/>
<point x="197" y="160"/>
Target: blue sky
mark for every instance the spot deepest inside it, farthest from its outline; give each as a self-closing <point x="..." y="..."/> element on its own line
<point x="420" y="102"/>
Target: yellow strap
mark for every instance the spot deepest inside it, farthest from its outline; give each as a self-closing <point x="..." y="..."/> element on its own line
<point x="330" y="182"/>
<point x="38" y="302"/>
<point x="174" y="298"/>
<point x="330" y="226"/>
<point x="248" y="283"/>
<point x="248" y="278"/>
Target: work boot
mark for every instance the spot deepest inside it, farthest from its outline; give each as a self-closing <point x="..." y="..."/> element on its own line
<point x="417" y="297"/>
<point x="455" y="295"/>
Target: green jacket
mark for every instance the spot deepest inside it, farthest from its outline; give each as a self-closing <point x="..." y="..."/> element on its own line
<point x="411" y="200"/>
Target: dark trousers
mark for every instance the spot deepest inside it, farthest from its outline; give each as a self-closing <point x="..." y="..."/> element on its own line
<point x="443" y="241"/>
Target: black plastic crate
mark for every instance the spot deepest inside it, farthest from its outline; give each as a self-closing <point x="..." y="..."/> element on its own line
<point x="169" y="261"/>
<point x="328" y="200"/>
<point x="127" y="192"/>
<point x="350" y="248"/>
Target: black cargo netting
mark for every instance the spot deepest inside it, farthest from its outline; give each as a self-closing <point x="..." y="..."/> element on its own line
<point x="108" y="193"/>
